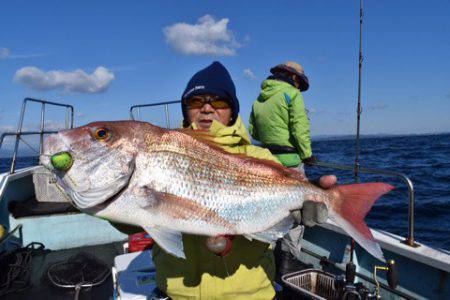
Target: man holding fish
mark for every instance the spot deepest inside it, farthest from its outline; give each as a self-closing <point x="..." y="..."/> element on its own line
<point x="209" y="102"/>
<point x="184" y="186"/>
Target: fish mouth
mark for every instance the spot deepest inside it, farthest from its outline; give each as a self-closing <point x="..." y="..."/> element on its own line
<point x="80" y="202"/>
<point x="44" y="160"/>
<point x="94" y="209"/>
<point x="88" y="204"/>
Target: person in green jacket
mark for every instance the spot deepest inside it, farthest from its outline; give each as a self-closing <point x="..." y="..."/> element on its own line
<point x="278" y="118"/>
<point x="279" y="121"/>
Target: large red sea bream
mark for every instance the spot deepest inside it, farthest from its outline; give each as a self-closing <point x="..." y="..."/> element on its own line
<point x="174" y="181"/>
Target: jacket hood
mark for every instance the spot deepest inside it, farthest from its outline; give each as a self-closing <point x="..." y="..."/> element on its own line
<point x="270" y="87"/>
<point x="234" y="135"/>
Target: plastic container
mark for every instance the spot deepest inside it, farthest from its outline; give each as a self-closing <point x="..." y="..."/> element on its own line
<point x="136" y="261"/>
<point x="309" y="284"/>
<point x="134" y="275"/>
<point x="136" y="285"/>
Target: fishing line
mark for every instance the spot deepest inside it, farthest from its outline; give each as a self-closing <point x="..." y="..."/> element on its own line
<point x="28" y="145"/>
<point x="225" y="265"/>
<point x="226" y="270"/>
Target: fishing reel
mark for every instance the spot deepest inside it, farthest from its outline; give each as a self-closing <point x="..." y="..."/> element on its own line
<point x="392" y="276"/>
<point x="348" y="290"/>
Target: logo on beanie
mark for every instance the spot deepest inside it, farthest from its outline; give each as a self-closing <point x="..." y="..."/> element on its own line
<point x="195" y="88"/>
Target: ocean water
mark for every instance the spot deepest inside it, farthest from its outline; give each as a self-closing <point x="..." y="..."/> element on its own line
<point x="425" y="159"/>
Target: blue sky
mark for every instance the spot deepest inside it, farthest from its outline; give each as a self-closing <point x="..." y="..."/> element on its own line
<point x="103" y="56"/>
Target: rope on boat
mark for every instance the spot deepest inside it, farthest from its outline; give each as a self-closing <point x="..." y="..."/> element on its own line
<point x="16" y="268"/>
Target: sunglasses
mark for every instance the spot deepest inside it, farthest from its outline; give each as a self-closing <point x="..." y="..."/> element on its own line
<point x="215" y="102"/>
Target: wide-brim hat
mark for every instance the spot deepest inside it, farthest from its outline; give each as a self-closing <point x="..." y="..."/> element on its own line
<point x="293" y="68"/>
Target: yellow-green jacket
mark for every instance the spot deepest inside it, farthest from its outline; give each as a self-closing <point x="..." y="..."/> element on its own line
<point x="246" y="272"/>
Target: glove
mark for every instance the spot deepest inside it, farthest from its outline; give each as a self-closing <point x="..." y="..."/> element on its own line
<point x="314" y="212"/>
<point x="311" y="214"/>
<point x="310" y="160"/>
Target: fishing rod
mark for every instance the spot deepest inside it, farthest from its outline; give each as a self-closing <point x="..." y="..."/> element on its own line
<point x="359" y="109"/>
<point x="358" y="114"/>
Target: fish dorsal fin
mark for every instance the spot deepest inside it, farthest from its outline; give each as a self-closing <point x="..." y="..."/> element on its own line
<point x="207" y="138"/>
<point x="201" y="135"/>
<point x="171" y="241"/>
<point x="277" y="166"/>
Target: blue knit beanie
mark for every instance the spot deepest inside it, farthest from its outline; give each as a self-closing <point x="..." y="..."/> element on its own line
<point x="215" y="80"/>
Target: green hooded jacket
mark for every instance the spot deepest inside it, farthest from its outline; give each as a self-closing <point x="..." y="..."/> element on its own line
<point x="279" y="117"/>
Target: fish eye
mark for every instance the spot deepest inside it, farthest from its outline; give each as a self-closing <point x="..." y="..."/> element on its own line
<point x="102" y="134"/>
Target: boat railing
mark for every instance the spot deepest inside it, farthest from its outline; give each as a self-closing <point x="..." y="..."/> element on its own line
<point x="135" y="115"/>
<point x="135" y="110"/>
<point x="410" y="238"/>
<point x="19" y="133"/>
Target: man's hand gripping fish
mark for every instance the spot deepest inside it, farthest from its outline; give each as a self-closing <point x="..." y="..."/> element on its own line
<point x="173" y="181"/>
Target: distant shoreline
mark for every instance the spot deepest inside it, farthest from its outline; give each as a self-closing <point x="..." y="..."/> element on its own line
<point x="323" y="137"/>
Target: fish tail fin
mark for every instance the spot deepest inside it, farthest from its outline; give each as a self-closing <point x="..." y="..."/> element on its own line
<point x="351" y="205"/>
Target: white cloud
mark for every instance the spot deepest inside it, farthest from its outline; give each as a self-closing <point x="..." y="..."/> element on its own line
<point x="6" y="128"/>
<point x="54" y="125"/>
<point x="207" y="36"/>
<point x="321" y="59"/>
<point x="4" y="52"/>
<point x="249" y="74"/>
<point x="378" y="106"/>
<point x="314" y="111"/>
<point x="75" y="81"/>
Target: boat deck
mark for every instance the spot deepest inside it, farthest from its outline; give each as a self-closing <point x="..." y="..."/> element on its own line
<point x="41" y="288"/>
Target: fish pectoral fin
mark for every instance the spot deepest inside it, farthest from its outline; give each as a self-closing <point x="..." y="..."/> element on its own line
<point x="171" y="241"/>
<point x="273" y="233"/>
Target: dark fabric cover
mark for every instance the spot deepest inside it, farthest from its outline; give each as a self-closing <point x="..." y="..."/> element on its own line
<point x="32" y="207"/>
<point x="277" y="149"/>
